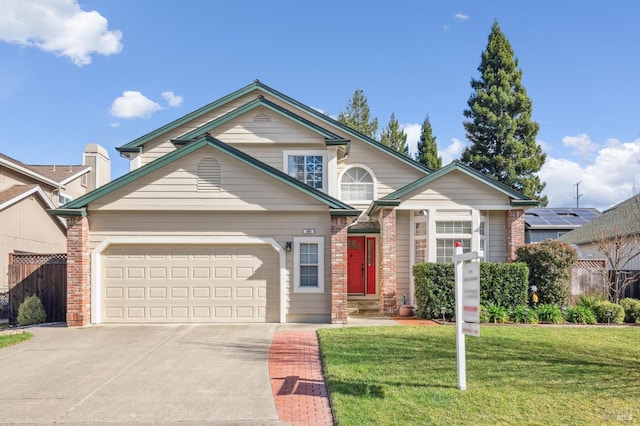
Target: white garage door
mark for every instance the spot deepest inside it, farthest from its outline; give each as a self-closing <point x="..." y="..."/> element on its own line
<point x="187" y="284"/>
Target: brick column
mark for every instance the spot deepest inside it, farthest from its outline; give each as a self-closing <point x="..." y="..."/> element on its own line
<point x="339" y="311"/>
<point x="388" y="261"/>
<point x="78" y="272"/>
<point x="515" y="232"/>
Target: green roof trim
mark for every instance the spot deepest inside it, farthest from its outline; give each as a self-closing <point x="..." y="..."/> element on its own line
<point x="68" y="212"/>
<point x="456" y="165"/>
<point x="363" y="231"/>
<point x="525" y="203"/>
<point x="136" y="149"/>
<point x="381" y="203"/>
<point x="352" y="212"/>
<point x="257" y="85"/>
<point x="208" y="140"/>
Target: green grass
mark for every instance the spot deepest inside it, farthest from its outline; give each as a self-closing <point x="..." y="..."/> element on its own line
<point x="515" y="375"/>
<point x="14" y="339"/>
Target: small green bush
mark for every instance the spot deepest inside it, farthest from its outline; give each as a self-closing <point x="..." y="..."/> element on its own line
<point x="580" y="315"/>
<point x="549" y="262"/>
<point x="588" y="300"/>
<point x="31" y="311"/>
<point x="549" y="313"/>
<point x="497" y="314"/>
<point x="600" y="311"/>
<point x="524" y="315"/>
<point x="631" y="310"/>
<point x="484" y="314"/>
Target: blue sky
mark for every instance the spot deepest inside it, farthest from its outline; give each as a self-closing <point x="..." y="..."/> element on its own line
<point x="109" y="71"/>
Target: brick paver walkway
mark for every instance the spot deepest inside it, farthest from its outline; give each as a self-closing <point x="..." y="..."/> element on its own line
<point x="298" y="386"/>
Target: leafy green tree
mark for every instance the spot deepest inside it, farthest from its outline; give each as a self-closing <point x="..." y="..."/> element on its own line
<point x="428" y="148"/>
<point x="499" y="125"/>
<point x="395" y="138"/>
<point x="358" y="117"/>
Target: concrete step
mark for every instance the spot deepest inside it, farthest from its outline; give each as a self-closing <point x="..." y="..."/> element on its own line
<point x="364" y="308"/>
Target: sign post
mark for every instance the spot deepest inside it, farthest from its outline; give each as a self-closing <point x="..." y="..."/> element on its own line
<point x="467" y="292"/>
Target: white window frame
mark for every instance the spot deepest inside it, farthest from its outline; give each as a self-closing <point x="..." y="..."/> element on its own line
<point x="366" y="168"/>
<point x="325" y="163"/>
<point x="64" y="198"/>
<point x="296" y="264"/>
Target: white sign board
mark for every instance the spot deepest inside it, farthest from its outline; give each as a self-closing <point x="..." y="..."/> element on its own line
<point x="471" y="292"/>
<point x="471" y="329"/>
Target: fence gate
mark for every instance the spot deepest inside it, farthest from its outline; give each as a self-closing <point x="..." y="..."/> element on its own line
<point x="44" y="275"/>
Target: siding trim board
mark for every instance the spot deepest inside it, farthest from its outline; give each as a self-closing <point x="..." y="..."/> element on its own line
<point x="96" y="261"/>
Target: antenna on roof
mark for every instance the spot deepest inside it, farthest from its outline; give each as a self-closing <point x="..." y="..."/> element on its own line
<point x="578" y="195"/>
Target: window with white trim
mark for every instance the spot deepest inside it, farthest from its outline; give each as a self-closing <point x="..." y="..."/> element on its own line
<point x="307" y="167"/>
<point x="308" y="264"/>
<point x="356" y="184"/>
<point x="448" y="232"/>
<point x="64" y="198"/>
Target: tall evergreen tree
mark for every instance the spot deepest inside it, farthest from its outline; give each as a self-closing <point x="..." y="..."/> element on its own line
<point x="428" y="148"/>
<point x="500" y="125"/>
<point x="395" y="138"/>
<point x="357" y="115"/>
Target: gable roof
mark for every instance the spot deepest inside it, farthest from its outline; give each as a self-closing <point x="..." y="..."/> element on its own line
<point x="52" y="175"/>
<point x="17" y="193"/>
<point x="517" y="199"/>
<point x="136" y="144"/>
<point x="78" y="206"/>
<point x="625" y="216"/>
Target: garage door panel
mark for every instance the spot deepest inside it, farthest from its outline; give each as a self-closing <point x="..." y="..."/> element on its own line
<point x="190" y="284"/>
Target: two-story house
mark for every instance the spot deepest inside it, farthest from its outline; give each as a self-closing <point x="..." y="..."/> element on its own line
<point x="258" y="208"/>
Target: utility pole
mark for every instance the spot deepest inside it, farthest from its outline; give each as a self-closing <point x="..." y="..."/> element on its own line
<point x="578" y="195"/>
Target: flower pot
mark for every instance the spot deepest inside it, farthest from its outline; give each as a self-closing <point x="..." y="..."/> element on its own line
<point x="407" y="310"/>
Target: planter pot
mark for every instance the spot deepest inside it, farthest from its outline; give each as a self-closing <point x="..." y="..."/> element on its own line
<point x="407" y="310"/>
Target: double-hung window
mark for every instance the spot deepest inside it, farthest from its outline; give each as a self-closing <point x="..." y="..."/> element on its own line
<point x="448" y="232"/>
<point x="307" y="166"/>
<point x="308" y="273"/>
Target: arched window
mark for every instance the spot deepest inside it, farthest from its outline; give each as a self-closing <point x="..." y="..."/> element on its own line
<point x="356" y="185"/>
<point x="209" y="175"/>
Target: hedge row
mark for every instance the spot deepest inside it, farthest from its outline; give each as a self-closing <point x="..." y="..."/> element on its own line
<point x="501" y="284"/>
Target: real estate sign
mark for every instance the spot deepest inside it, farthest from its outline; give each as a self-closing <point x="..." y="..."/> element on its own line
<point x="471" y="292"/>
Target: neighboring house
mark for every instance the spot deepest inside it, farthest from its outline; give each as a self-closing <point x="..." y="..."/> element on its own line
<point x="623" y="219"/>
<point x="258" y="208"/>
<point x="552" y="223"/>
<point x="28" y="191"/>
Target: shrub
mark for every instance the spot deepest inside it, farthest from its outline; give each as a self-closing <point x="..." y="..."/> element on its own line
<point x="503" y="284"/>
<point x="484" y="314"/>
<point x="588" y="300"/>
<point x="524" y="315"/>
<point x="580" y="315"/>
<point x="497" y="314"/>
<point x="549" y="313"/>
<point x="549" y="262"/>
<point x="31" y="311"/>
<point x="631" y="309"/>
<point x="600" y="311"/>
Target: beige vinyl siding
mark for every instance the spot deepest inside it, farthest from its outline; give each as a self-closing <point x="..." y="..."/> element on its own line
<point x="456" y="189"/>
<point x="282" y="227"/>
<point x="590" y="251"/>
<point x="403" y="245"/>
<point x="26" y="226"/>
<point x="162" y="145"/>
<point x="497" y="236"/>
<point x="174" y="187"/>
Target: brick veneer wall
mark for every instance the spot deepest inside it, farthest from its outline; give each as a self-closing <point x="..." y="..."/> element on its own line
<point x="78" y="272"/>
<point x="388" y="261"/>
<point x="339" y="228"/>
<point x="515" y="232"/>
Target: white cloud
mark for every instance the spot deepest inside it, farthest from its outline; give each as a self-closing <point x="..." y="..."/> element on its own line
<point x="460" y="17"/>
<point x="582" y="146"/>
<point x="612" y="176"/>
<point x="413" y="136"/>
<point x="452" y="152"/>
<point x="172" y="99"/>
<point x="60" y="27"/>
<point x="133" y="104"/>
<point x="114" y="125"/>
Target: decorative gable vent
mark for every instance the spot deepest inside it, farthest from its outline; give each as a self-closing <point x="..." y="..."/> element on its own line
<point x="261" y="118"/>
<point x="209" y="175"/>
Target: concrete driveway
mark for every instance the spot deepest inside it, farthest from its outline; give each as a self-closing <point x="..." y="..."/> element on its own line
<point x="198" y="374"/>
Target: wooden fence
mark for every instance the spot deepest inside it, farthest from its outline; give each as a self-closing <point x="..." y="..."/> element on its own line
<point x="587" y="277"/>
<point x="44" y="275"/>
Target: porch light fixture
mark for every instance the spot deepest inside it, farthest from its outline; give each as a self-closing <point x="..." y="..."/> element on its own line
<point x="287" y="246"/>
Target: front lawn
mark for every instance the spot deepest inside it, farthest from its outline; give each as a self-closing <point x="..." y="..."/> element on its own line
<point x="515" y="375"/>
<point x="13" y="339"/>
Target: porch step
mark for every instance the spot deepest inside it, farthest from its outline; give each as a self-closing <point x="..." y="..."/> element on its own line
<point x="364" y="308"/>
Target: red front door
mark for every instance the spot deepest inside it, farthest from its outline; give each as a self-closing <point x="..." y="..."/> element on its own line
<point x="355" y="265"/>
